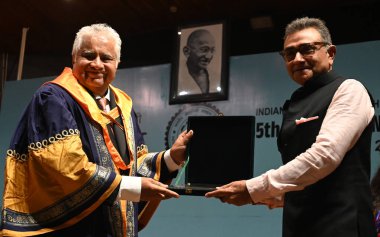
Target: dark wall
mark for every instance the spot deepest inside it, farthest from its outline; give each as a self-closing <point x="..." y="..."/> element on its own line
<point x="348" y="24"/>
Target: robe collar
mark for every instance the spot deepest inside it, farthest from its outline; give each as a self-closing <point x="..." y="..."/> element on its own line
<point x="86" y="101"/>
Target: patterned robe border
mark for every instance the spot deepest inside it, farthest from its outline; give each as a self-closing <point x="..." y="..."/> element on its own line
<point x="51" y="214"/>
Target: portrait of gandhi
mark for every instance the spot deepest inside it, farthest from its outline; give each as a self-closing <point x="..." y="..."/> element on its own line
<point x="199" y="73"/>
<point x="199" y="52"/>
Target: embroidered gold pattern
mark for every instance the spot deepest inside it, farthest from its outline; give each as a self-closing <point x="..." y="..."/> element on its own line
<point x="146" y="167"/>
<point x="114" y="217"/>
<point x="142" y="150"/>
<point x="130" y="219"/>
<point x="63" y="207"/>
<point x="131" y="137"/>
<point x="42" y="144"/>
<point x="114" y="211"/>
<point x="15" y="155"/>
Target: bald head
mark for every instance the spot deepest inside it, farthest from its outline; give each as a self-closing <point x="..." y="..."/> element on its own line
<point x="200" y="48"/>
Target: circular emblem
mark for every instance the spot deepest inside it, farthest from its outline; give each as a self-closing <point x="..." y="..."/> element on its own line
<point x="178" y="123"/>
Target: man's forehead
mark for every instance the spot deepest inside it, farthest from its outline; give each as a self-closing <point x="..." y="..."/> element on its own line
<point x="101" y="38"/>
<point x="306" y="35"/>
<point x="92" y="42"/>
<point x="205" y="39"/>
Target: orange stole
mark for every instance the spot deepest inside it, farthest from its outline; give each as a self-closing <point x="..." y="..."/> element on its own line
<point x="67" y="81"/>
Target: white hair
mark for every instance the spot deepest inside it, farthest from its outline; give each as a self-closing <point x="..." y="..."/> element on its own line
<point x="95" y="29"/>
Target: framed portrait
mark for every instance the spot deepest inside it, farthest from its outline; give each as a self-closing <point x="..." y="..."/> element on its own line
<point x="200" y="72"/>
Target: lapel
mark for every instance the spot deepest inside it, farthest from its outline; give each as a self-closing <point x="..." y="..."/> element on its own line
<point x="118" y="134"/>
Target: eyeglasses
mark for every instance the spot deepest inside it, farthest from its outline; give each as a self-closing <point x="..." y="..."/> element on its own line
<point x="306" y="49"/>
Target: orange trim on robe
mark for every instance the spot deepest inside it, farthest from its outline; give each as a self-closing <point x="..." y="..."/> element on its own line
<point x="85" y="100"/>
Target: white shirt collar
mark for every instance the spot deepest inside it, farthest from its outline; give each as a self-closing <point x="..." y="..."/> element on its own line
<point x="107" y="96"/>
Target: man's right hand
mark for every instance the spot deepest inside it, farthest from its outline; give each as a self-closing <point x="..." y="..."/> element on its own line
<point x="154" y="190"/>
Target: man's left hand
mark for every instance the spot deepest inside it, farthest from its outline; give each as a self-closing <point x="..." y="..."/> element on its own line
<point x="235" y="193"/>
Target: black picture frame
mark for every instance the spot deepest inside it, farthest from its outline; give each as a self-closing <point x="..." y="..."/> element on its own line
<point x="200" y="56"/>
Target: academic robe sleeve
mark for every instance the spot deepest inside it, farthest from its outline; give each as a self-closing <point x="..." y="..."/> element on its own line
<point x="50" y="183"/>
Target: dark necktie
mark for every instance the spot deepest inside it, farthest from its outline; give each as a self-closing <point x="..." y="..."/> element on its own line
<point x="117" y="135"/>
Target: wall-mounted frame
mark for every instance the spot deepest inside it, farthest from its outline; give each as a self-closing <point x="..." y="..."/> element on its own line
<point x="200" y="68"/>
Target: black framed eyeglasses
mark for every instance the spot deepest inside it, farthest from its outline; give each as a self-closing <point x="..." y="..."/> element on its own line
<point x="306" y="49"/>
